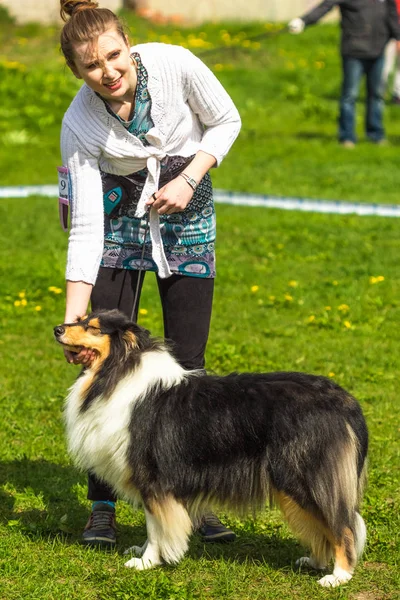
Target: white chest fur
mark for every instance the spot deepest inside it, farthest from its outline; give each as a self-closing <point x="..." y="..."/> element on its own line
<point x="99" y="437"/>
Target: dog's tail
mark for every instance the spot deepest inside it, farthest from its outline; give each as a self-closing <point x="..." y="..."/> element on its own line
<point x="360" y="532"/>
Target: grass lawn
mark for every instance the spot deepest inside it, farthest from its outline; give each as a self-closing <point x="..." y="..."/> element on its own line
<point x="295" y="291"/>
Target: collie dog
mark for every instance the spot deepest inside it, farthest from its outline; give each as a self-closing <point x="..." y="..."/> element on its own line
<point x="177" y="441"/>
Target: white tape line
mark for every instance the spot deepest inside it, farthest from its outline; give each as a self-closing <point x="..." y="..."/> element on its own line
<point x="238" y="199"/>
<point x="307" y="204"/>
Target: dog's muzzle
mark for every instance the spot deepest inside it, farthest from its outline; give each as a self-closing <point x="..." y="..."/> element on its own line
<point x="59" y="331"/>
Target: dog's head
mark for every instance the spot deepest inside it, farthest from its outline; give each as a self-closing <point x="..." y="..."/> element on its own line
<point x="102" y="331"/>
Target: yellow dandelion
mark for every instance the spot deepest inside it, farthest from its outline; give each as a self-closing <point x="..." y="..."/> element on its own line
<point x="17" y="303"/>
<point x="331" y="374"/>
<point x="260" y="302"/>
<point x="288" y="298"/>
<point x="24" y="302"/>
<point x="254" y="288"/>
<point x="293" y="283"/>
<point x="280" y="246"/>
<point x="378" y="279"/>
<point x="271" y="298"/>
<point x="335" y="282"/>
<point x="37" y="308"/>
<point x="328" y="308"/>
<point x="347" y="324"/>
<point x="22" y="294"/>
<point x="55" y="290"/>
<point x="143" y="311"/>
<point x="311" y="318"/>
<point x="343" y="308"/>
<point x="51" y="288"/>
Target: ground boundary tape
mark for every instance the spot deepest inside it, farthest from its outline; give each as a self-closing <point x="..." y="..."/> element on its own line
<point x="241" y="199"/>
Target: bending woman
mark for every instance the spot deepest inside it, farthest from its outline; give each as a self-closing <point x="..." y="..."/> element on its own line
<point x="138" y="141"/>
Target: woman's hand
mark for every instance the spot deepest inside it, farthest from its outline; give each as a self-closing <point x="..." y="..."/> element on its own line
<point x="84" y="357"/>
<point x="172" y="197"/>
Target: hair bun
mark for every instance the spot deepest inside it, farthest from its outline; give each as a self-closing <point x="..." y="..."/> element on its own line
<point x="69" y="7"/>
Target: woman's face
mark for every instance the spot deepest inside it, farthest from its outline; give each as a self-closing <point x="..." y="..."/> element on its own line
<point x="106" y="67"/>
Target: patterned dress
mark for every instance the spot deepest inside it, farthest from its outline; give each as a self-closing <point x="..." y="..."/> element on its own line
<point x="188" y="236"/>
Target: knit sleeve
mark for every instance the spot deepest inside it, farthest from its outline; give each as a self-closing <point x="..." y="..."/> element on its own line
<point x="212" y="104"/>
<point x="86" y="238"/>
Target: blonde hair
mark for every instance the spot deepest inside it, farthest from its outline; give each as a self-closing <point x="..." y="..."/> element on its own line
<point x="84" y="22"/>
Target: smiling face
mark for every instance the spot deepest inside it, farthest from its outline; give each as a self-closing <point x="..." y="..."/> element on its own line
<point x="106" y="67"/>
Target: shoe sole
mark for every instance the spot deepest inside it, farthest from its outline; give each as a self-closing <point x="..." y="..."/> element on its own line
<point x="105" y="542"/>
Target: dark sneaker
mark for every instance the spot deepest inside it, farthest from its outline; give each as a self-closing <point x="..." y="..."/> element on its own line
<point x="100" y="530"/>
<point x="212" y="530"/>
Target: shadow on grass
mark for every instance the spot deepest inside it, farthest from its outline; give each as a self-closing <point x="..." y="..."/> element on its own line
<point x="315" y="135"/>
<point x="33" y="481"/>
<point x="53" y="484"/>
<point x="271" y="549"/>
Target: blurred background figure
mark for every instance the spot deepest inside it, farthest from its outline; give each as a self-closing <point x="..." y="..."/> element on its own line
<point x="392" y="67"/>
<point x="366" y="27"/>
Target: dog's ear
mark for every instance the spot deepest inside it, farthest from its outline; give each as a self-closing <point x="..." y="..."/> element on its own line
<point x="136" y="336"/>
<point x="130" y="339"/>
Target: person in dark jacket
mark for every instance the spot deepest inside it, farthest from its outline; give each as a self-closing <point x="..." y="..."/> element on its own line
<point x="367" y="26"/>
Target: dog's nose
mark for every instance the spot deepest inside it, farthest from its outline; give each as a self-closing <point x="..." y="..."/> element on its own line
<point x="59" y="330"/>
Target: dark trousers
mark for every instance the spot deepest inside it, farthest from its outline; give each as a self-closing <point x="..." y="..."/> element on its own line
<point x="186" y="305"/>
<point x="353" y="70"/>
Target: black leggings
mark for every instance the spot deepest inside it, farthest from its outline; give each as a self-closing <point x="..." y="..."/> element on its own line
<point x="186" y="305"/>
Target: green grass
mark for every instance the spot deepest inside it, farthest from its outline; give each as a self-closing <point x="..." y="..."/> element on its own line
<point x="302" y="264"/>
<point x="316" y="293"/>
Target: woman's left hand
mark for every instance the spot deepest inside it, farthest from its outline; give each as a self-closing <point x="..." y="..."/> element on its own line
<point x="172" y="197"/>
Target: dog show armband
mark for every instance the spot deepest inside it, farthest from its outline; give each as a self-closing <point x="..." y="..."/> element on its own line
<point x="63" y="196"/>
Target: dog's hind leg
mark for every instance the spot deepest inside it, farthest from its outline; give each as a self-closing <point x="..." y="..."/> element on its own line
<point x="308" y="529"/>
<point x="168" y="530"/>
<point x="345" y="560"/>
<point x="346" y="552"/>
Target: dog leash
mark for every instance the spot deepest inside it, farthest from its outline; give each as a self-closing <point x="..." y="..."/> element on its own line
<point x="146" y="229"/>
<point x="266" y="34"/>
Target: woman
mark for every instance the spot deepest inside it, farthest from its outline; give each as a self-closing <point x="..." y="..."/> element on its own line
<point x="138" y="141"/>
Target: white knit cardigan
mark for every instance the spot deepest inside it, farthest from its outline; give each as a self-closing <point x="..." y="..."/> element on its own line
<point x="190" y="110"/>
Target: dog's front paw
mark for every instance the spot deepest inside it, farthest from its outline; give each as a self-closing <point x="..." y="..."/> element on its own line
<point x="309" y="562"/>
<point x="140" y="564"/>
<point x="135" y="550"/>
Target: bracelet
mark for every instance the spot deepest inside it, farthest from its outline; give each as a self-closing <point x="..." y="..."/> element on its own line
<point x="192" y="182"/>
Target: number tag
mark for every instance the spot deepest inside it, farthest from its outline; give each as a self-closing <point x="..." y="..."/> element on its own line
<point x="63" y="196"/>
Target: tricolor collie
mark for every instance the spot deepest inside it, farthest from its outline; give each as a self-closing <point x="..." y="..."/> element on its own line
<point x="178" y="441"/>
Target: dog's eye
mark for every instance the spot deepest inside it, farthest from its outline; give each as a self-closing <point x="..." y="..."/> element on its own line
<point x="94" y="330"/>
